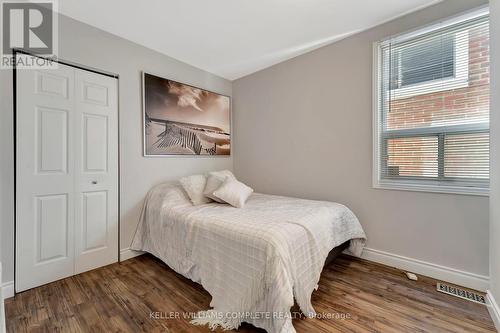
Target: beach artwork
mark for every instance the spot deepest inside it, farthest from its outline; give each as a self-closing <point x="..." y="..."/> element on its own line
<point x="180" y="119"/>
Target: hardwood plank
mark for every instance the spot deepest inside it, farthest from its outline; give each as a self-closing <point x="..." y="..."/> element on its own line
<point x="359" y="296"/>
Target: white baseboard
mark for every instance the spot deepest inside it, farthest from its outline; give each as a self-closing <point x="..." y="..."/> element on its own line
<point x="448" y="274"/>
<point x="8" y="289"/>
<point x="128" y="253"/>
<point x="494" y="309"/>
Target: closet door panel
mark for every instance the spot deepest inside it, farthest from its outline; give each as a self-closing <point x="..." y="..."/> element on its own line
<point x="96" y="171"/>
<point x="45" y="113"/>
<point x="94" y="221"/>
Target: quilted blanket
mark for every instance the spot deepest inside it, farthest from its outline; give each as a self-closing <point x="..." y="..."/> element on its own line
<point x="254" y="261"/>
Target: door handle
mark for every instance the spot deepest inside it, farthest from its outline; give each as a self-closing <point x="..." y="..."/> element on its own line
<point x="94" y="182"/>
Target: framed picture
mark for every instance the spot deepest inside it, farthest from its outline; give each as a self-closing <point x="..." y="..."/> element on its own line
<point x="179" y="119"/>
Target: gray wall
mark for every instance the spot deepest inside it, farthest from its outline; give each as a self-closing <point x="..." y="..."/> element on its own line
<point x="89" y="46"/>
<point x="304" y="128"/>
<point x="495" y="150"/>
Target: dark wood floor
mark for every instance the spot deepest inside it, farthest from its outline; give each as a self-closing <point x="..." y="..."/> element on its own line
<point x="123" y="298"/>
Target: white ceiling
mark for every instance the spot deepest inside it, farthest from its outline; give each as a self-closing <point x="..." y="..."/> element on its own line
<point x="233" y="38"/>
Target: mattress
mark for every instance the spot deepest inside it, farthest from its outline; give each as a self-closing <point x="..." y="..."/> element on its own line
<point x="252" y="260"/>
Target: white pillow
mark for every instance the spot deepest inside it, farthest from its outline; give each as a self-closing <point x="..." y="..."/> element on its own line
<point x="214" y="181"/>
<point x="233" y="192"/>
<point x="194" y="186"/>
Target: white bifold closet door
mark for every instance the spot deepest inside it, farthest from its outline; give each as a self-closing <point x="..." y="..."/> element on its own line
<point x="66" y="173"/>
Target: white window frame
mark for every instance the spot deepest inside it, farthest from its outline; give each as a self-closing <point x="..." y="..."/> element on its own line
<point x="458" y="81"/>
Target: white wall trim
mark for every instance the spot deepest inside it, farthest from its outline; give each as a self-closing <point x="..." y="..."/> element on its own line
<point x="128" y="253"/>
<point x="444" y="273"/>
<point x="494" y="309"/>
<point x="8" y="289"/>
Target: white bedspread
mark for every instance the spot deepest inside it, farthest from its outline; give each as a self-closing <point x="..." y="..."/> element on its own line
<point x="253" y="261"/>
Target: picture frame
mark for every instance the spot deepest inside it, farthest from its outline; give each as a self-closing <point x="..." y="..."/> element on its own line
<point x="183" y="120"/>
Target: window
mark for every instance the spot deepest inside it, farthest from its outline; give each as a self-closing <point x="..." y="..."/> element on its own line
<point x="431" y="121"/>
<point x="434" y="63"/>
<point x="429" y="60"/>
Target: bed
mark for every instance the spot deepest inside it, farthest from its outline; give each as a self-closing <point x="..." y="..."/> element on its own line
<point x="254" y="261"/>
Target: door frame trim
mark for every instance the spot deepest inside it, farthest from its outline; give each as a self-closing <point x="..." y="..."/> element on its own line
<point x="66" y="62"/>
<point x="14" y="124"/>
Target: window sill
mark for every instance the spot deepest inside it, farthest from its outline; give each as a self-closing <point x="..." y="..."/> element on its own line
<point x="446" y="189"/>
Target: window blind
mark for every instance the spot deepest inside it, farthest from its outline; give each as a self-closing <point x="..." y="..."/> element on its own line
<point x="433" y="104"/>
